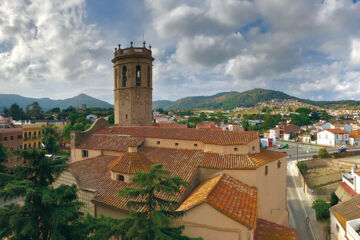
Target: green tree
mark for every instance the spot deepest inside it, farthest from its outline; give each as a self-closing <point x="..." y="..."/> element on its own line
<point x="323" y="153"/>
<point x="302" y="167"/>
<point x="202" y="117"/>
<point x="50" y="139"/>
<point x="3" y="157"/>
<point x="65" y="134"/>
<point x="34" y="111"/>
<point x="46" y="212"/>
<point x="111" y="119"/>
<point x="245" y="124"/>
<point x="54" y="110"/>
<point x="16" y="112"/>
<point x="303" y="110"/>
<point x="321" y="209"/>
<point x="333" y="199"/>
<point x="151" y="217"/>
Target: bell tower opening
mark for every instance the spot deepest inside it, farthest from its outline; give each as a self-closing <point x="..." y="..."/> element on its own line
<point x="133" y="86"/>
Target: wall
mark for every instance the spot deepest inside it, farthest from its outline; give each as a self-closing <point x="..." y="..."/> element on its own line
<point x="334" y="233"/>
<point x="36" y="132"/>
<point x="76" y="154"/>
<point x="170" y="143"/>
<point x="13" y="138"/>
<point x="203" y="221"/>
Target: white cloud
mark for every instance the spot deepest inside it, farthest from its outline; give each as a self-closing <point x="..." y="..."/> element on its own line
<point x="355" y="52"/>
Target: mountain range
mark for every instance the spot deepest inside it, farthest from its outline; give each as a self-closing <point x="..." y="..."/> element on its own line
<point x="230" y="100"/>
<point x="6" y="100"/>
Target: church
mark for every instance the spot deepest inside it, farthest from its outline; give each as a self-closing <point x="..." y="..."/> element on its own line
<point x="236" y="190"/>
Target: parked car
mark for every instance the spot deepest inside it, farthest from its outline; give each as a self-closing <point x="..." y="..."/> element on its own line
<point x="342" y="149"/>
<point x="281" y="146"/>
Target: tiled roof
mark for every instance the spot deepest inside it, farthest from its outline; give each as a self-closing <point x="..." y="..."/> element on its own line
<point x="355" y="134"/>
<point x="346" y="211"/>
<point x="266" y="230"/>
<point x="170" y="125"/>
<point x="207" y="136"/>
<point x="228" y="195"/>
<point x="131" y="162"/>
<point x="290" y="128"/>
<point x="111" y="142"/>
<point x="95" y="172"/>
<point x="336" y="131"/>
<point x="348" y="189"/>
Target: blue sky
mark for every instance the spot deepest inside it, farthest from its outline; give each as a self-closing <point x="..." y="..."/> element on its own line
<point x="61" y="48"/>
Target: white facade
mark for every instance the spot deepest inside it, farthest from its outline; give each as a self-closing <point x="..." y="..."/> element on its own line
<point x="328" y="138"/>
<point x="274" y="134"/>
<point x="351" y="229"/>
<point x="352" y="179"/>
<point x="337" y="232"/>
<point x="355" y="142"/>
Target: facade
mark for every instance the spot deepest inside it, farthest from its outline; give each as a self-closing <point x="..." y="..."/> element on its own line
<point x="11" y="138"/>
<point x="32" y="136"/>
<point x="349" y="187"/>
<point x="333" y="137"/>
<point x="133" y="86"/>
<point x="236" y="190"/>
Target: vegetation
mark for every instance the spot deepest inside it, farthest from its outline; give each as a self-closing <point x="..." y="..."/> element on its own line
<point x="333" y="199"/>
<point x="323" y="153"/>
<point x="321" y="208"/>
<point x="302" y="167"/>
<point x="151" y="217"/>
<point x="3" y="157"/>
<point x="46" y="212"/>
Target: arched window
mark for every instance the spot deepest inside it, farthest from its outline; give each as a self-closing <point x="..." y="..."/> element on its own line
<point x="124" y="77"/>
<point x="116" y="78"/>
<point x="138" y="75"/>
<point x="148" y="76"/>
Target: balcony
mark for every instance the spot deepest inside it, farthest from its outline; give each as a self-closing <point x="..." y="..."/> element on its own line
<point x="353" y="229"/>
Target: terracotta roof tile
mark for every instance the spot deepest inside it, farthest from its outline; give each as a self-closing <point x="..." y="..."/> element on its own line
<point x="228" y="195"/>
<point x="348" y="210"/>
<point x="170" y="125"/>
<point x="110" y="142"/>
<point x="207" y="136"/>
<point x="266" y="230"/>
<point x="336" y="131"/>
<point x="131" y="162"/>
<point x="348" y="189"/>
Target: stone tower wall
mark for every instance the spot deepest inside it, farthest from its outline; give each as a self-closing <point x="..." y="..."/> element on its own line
<point x="133" y="104"/>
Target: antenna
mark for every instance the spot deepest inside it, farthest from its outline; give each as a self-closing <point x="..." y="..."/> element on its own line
<point x="143" y="37"/>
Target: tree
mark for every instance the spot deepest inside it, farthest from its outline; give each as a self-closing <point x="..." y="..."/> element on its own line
<point x="3" y="157"/>
<point x="321" y="209"/>
<point x="54" y="110"/>
<point x="66" y="132"/>
<point x="16" y="112"/>
<point x="46" y="212"/>
<point x="333" y="199"/>
<point x="303" y="110"/>
<point x="111" y="119"/>
<point x="151" y="217"/>
<point x="323" y="153"/>
<point x="34" y="111"/>
<point x="245" y="124"/>
<point x="302" y="167"/>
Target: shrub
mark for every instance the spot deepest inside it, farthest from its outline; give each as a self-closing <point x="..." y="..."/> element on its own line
<point x="302" y="167"/>
<point x="333" y="199"/>
<point x="323" y="153"/>
<point x="315" y="156"/>
<point x="321" y="209"/>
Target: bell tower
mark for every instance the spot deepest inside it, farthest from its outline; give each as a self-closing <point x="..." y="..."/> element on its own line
<point x="133" y="86"/>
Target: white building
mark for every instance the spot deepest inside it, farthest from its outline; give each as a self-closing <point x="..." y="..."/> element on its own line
<point x="333" y="137"/>
<point x="323" y="125"/>
<point x="345" y="220"/>
<point x="91" y="117"/>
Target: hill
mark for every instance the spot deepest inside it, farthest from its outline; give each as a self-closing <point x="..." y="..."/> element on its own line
<point x="230" y="100"/>
<point x="161" y="103"/>
<point x="6" y="100"/>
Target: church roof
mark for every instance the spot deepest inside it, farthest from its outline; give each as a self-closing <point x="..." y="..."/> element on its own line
<point x="228" y="195"/>
<point x="207" y="136"/>
<point x="131" y="162"/>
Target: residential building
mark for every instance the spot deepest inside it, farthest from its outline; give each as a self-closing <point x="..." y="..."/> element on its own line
<point x="236" y="190"/>
<point x="11" y="138"/>
<point x="231" y="127"/>
<point x="286" y="132"/>
<point x="305" y="137"/>
<point x="32" y="136"/>
<point x="91" y="117"/>
<point x="323" y="125"/>
<point x="333" y="137"/>
<point x="345" y="220"/>
<point x="349" y="186"/>
<point x="354" y="139"/>
<point x="346" y="127"/>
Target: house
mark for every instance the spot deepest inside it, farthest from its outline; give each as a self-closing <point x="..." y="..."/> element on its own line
<point x="321" y="125"/>
<point x="333" y="137"/>
<point x="231" y="127"/>
<point x="354" y="139"/>
<point x="236" y="189"/>
<point x="91" y="117"/>
<point x="305" y="137"/>
<point x="346" y="127"/>
<point x="349" y="186"/>
<point x="287" y="131"/>
<point x="345" y="220"/>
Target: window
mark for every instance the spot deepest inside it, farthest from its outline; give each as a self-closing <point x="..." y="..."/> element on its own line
<point x="195" y="145"/>
<point x="25" y="146"/>
<point x="126" y="116"/>
<point x="176" y="144"/>
<point x="138" y="75"/>
<point x="39" y="133"/>
<point x="253" y="148"/>
<point x="124" y="77"/>
<point x="34" y="145"/>
<point x="39" y="145"/>
<point x="235" y="149"/>
<point x="25" y="136"/>
<point x="29" y="134"/>
<point x="279" y="164"/>
<point x="158" y="142"/>
<point x="116" y="78"/>
<point x="19" y="136"/>
<point x="266" y="170"/>
<point x="120" y="178"/>
<point x="85" y="153"/>
<point x="5" y="138"/>
<point x="12" y="138"/>
<point x="148" y="76"/>
<point x="337" y="227"/>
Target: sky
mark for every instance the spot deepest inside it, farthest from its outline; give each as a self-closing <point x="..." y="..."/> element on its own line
<point x="61" y="48"/>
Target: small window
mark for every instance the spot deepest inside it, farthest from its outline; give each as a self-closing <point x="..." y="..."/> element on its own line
<point x="235" y="149"/>
<point x="138" y="75"/>
<point x="34" y="145"/>
<point x="253" y="148"/>
<point x="126" y="116"/>
<point x="337" y="227"/>
<point x="12" y="138"/>
<point x="39" y="145"/>
<point x="266" y="170"/>
<point x="176" y="144"/>
<point x="279" y="164"/>
<point x="85" y="153"/>
<point x="25" y="146"/>
<point x="124" y="77"/>
<point x="120" y="178"/>
<point x="19" y="136"/>
<point x="158" y="142"/>
<point x="195" y="145"/>
<point x="5" y="138"/>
